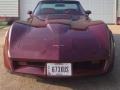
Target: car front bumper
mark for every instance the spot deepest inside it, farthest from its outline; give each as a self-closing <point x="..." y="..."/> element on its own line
<point x="86" y="68"/>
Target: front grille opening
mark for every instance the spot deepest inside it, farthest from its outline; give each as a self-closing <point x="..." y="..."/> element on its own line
<point x="89" y="65"/>
<point x="17" y="64"/>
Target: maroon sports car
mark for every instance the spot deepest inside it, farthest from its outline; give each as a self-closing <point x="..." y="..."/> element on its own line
<point x="59" y="40"/>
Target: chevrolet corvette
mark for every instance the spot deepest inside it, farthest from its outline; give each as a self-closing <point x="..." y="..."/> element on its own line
<point x="59" y="40"/>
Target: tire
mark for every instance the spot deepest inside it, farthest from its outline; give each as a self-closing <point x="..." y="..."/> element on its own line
<point x="112" y="55"/>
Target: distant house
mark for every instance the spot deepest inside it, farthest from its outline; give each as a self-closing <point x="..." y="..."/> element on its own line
<point x="106" y="10"/>
<point x="9" y="9"/>
<point x="118" y="12"/>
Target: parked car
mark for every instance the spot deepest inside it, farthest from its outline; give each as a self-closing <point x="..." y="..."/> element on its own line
<point x="59" y="40"/>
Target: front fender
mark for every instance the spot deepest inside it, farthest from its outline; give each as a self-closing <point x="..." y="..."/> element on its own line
<point x="15" y="32"/>
<point x="102" y="34"/>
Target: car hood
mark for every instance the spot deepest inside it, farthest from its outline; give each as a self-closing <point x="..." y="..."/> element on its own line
<point x="57" y="42"/>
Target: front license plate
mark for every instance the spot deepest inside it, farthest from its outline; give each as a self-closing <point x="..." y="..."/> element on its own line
<point x="59" y="69"/>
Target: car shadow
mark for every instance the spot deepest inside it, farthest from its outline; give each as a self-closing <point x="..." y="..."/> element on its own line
<point x="110" y="81"/>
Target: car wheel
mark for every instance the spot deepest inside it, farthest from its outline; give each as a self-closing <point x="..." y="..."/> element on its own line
<point x="112" y="54"/>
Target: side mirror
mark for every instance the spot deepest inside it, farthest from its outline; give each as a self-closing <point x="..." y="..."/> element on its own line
<point x="29" y="12"/>
<point x="88" y="12"/>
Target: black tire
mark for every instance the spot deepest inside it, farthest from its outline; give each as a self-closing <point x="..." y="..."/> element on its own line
<point x="112" y="57"/>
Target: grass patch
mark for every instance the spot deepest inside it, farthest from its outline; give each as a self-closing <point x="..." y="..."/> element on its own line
<point x="3" y="24"/>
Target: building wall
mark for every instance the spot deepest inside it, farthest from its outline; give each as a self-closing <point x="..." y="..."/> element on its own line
<point x="25" y="6"/>
<point x="101" y="9"/>
<point x="118" y="10"/>
<point x="8" y="8"/>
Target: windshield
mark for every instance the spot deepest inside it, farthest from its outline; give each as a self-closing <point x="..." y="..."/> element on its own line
<point x="66" y="7"/>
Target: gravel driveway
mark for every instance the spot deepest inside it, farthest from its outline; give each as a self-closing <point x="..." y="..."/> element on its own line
<point x="108" y="82"/>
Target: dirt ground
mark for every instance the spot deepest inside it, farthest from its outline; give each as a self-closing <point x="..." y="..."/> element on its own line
<point x="109" y="82"/>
